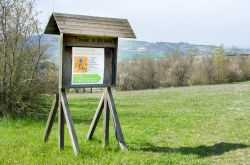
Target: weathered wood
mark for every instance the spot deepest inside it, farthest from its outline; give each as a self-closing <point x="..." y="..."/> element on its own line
<point x="105" y="139"/>
<point x="89" y="25"/>
<point x="110" y="60"/>
<point x="51" y="118"/>
<point x="52" y="27"/>
<point x="69" y="122"/>
<point x="61" y="121"/>
<point x="92" y="24"/>
<point x="93" y="32"/>
<point x="97" y="30"/>
<point x="87" y="41"/>
<point x="67" y="66"/>
<point x="96" y="118"/>
<point x="64" y="16"/>
<point x="108" y="106"/>
<point x="90" y="45"/>
<point x="114" y="65"/>
<point x="60" y="114"/>
<point x="61" y="60"/>
<point x="96" y="33"/>
<point x="117" y="125"/>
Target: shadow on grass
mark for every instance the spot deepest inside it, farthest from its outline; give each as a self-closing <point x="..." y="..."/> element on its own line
<point x="201" y="151"/>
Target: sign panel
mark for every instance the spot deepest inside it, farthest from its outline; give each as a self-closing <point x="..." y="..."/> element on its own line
<point x="87" y="65"/>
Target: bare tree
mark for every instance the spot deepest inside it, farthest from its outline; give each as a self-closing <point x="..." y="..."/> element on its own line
<point x="176" y="69"/>
<point x="24" y="66"/>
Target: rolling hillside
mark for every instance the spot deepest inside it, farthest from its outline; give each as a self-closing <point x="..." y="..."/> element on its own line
<point x="130" y="49"/>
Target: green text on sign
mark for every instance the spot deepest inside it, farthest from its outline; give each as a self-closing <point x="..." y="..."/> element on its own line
<point x="86" y="78"/>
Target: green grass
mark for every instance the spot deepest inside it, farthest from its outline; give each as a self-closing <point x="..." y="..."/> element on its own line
<point x="186" y="125"/>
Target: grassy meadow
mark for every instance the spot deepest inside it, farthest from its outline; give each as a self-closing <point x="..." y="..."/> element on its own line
<point x="185" y="125"/>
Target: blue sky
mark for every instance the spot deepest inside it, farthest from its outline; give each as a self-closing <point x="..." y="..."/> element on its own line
<point x="195" y="21"/>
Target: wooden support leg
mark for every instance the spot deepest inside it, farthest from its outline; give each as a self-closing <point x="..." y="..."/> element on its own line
<point x="106" y="115"/>
<point x="117" y="126"/>
<point x="96" y="118"/>
<point x="51" y="118"/>
<point x="69" y="122"/>
<point x="61" y="122"/>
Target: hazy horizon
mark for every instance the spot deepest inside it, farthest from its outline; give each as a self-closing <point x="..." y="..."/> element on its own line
<point x="207" y="22"/>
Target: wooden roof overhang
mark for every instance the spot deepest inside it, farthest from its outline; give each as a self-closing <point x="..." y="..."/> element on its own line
<point x="89" y="26"/>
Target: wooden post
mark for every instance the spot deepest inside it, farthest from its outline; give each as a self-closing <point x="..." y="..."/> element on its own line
<point x="107" y="103"/>
<point x="63" y="115"/>
<point x="51" y="118"/>
<point x="96" y="118"/>
<point x="69" y="122"/>
<point x="105" y="139"/>
<point x="60" y="114"/>
<point x="83" y="37"/>
<point x="60" y="124"/>
<point x="117" y="126"/>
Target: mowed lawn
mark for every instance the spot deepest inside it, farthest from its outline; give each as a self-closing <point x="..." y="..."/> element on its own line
<point x="185" y="125"/>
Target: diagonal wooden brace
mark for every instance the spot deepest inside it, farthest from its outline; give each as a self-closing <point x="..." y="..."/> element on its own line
<point x="96" y="117"/>
<point x="69" y="122"/>
<point x="117" y="126"/>
<point x="107" y="105"/>
<point x="64" y="115"/>
<point x="51" y="118"/>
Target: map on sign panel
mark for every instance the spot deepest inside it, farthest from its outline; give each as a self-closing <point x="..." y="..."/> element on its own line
<point x="87" y="65"/>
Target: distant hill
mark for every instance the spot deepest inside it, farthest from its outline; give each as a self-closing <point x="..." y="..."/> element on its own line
<point x="130" y="49"/>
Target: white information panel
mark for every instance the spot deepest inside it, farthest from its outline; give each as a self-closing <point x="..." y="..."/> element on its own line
<point x="87" y="65"/>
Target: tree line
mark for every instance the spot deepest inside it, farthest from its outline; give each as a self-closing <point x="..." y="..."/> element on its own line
<point x="176" y="69"/>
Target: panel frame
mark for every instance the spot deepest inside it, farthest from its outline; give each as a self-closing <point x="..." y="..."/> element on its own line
<point x="110" y="46"/>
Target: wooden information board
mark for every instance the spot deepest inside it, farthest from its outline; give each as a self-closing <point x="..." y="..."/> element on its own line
<point x="88" y="58"/>
<point x="97" y="56"/>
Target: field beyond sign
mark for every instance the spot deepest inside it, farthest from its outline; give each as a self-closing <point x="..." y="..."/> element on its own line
<point x="185" y="125"/>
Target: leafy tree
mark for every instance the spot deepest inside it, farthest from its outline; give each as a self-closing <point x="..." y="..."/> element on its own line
<point x="220" y="62"/>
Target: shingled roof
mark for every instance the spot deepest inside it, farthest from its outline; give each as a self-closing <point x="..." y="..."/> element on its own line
<point x="89" y="25"/>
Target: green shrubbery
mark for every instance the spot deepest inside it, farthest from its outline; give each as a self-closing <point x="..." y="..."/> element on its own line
<point x="25" y="70"/>
<point x="178" y="70"/>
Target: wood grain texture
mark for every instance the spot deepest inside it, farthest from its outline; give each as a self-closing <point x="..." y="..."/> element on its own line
<point x="89" y="25"/>
<point x="69" y="122"/>
<point x="96" y="117"/>
<point x="61" y="122"/>
<point x="61" y="60"/>
<point x="60" y="114"/>
<point x="87" y="41"/>
<point x="116" y="122"/>
<point x="107" y="105"/>
<point x="105" y="138"/>
<point x="51" y="118"/>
